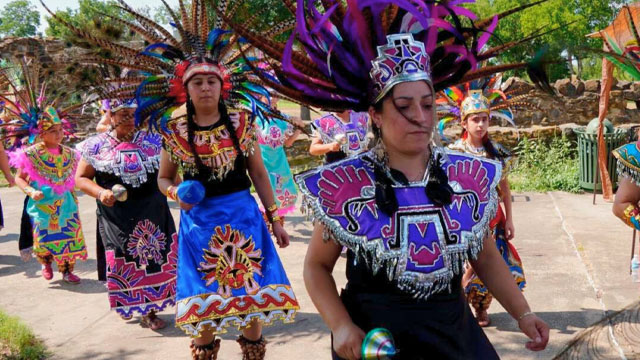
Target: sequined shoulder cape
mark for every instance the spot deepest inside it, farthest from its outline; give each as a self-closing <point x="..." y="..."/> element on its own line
<point x="422" y="246"/>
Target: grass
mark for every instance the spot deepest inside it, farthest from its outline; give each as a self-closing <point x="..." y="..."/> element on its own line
<point x="17" y="341"/>
<point x="546" y="165"/>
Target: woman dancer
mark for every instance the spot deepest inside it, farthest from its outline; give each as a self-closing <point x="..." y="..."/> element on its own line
<point x="45" y="174"/>
<point x="273" y="136"/>
<point x="409" y="212"/>
<point x="475" y="112"/>
<point x="135" y="228"/>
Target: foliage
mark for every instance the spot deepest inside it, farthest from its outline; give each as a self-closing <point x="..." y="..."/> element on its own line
<point x="546" y="165"/>
<point x="19" y="18"/>
<point x="573" y="20"/>
<point x="18" y="339"/>
<point x="95" y="17"/>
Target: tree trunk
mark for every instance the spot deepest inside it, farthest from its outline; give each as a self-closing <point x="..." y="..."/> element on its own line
<point x="579" y="68"/>
<point x="570" y="57"/>
<point x="305" y="113"/>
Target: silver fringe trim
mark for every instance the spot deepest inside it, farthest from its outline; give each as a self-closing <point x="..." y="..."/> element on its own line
<point x="375" y="255"/>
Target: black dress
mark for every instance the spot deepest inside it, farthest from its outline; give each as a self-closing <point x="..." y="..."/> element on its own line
<point x="441" y="327"/>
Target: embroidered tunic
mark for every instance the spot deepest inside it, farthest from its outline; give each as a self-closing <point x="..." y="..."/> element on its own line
<point x="271" y="136"/>
<point x="55" y="220"/>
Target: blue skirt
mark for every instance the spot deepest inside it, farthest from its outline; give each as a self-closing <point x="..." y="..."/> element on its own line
<point x="229" y="272"/>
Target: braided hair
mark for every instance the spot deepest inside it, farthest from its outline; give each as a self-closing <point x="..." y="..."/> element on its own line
<point x="437" y="188"/>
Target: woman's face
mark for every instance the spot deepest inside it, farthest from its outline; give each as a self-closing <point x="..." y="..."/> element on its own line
<point x="477" y="125"/>
<point x="53" y="136"/>
<point x="407" y="118"/>
<point x="123" y="121"/>
<point x="204" y="91"/>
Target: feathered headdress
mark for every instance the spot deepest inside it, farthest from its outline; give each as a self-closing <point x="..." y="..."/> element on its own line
<point x="483" y="95"/>
<point x="27" y="107"/>
<point x="168" y="62"/>
<point x="328" y="59"/>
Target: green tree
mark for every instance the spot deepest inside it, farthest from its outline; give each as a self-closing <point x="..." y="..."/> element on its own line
<point x="571" y="19"/>
<point x="19" y="18"/>
<point x="95" y="16"/>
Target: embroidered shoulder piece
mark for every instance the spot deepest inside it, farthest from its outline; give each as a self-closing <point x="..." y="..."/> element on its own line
<point x="54" y="170"/>
<point x="352" y="136"/>
<point x="628" y="157"/>
<point x="130" y="161"/>
<point x="422" y="246"/>
<point x="215" y="147"/>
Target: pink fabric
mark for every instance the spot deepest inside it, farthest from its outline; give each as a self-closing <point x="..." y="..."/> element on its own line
<point x="19" y="160"/>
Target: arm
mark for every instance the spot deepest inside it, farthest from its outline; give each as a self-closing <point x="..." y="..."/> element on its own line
<point x="168" y="177"/>
<point x="4" y="166"/>
<point x="84" y="181"/>
<point x="22" y="181"/>
<point x="318" y="148"/>
<point x="505" y="193"/>
<point x="262" y="184"/>
<point x="297" y="130"/>
<point x="318" y="267"/>
<point x="493" y="271"/>
<point x="626" y="200"/>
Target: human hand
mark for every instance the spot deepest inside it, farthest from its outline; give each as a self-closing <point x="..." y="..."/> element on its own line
<point x="37" y="195"/>
<point x="347" y="341"/>
<point x="11" y="180"/>
<point x="509" y="230"/>
<point x="282" y="237"/>
<point x="184" y="206"/>
<point x="537" y="330"/>
<point x="334" y="146"/>
<point x="106" y="198"/>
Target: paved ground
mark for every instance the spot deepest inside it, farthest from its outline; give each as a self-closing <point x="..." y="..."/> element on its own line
<point x="576" y="259"/>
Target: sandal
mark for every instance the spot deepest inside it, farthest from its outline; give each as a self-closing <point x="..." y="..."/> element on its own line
<point x="152" y="321"/>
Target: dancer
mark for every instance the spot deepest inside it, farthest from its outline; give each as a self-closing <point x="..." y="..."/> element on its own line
<point x="410" y="212"/>
<point x="273" y="136"/>
<point x="475" y="111"/>
<point x="45" y="173"/>
<point x="627" y="200"/>
<point x="229" y="273"/>
<point x="136" y="233"/>
<point x="340" y="135"/>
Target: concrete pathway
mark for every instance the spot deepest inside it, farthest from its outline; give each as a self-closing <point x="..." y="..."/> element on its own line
<point x="576" y="259"/>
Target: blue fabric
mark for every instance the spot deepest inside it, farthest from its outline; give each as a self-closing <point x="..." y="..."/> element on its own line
<point x="191" y="192"/>
<point x="203" y="256"/>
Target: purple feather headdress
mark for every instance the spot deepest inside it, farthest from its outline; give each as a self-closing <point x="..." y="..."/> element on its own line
<point x="328" y="59"/>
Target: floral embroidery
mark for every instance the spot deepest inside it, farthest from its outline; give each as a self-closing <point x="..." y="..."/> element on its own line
<point x="232" y="260"/>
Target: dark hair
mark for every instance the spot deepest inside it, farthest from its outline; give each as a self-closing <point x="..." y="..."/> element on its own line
<point x="487" y="144"/>
<point x="224" y="119"/>
<point x="437" y="188"/>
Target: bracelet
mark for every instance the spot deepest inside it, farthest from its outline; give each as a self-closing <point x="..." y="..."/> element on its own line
<point x="172" y="193"/>
<point x="275" y="218"/>
<point x="631" y="216"/>
<point x="28" y="190"/>
<point x="525" y="315"/>
<point x="273" y="208"/>
<point x="100" y="194"/>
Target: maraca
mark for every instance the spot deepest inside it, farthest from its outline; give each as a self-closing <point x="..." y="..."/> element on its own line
<point x="340" y="139"/>
<point x="378" y="345"/>
<point x="119" y="192"/>
<point x="191" y="192"/>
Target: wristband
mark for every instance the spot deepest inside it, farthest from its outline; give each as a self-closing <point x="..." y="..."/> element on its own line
<point x="525" y="315"/>
<point x="172" y="193"/>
